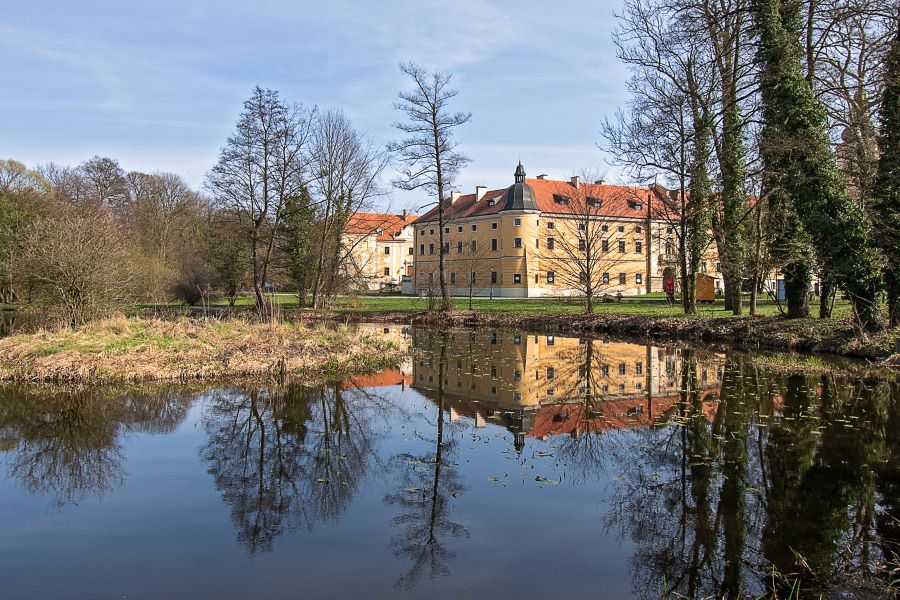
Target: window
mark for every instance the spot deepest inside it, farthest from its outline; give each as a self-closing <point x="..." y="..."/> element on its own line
<point x="446" y="230"/>
<point x="621" y="228"/>
<point x="703" y="267"/>
<point x="494" y="244"/>
<point x="411" y="250"/>
<point x="670" y="230"/>
<point x="582" y="278"/>
<point x="639" y="278"/>
<point x="493" y="341"/>
<point x="621" y="368"/>
<point x="604" y="370"/>
<point x="581" y="244"/>
<point x="431" y="232"/>
<point x="493" y="276"/>
<point x="638" y="247"/>
<point x="422" y="232"/>
<point x="517" y="375"/>
<point x="517" y="242"/>
<point x="537" y="243"/>
<point x="387" y="271"/>
<point x="517" y="278"/>
<point x="431" y="278"/>
<point x="452" y="277"/>
<point x="421" y="249"/>
<point x="551" y="276"/>
<point x="458" y="247"/>
<point x="622" y="246"/>
<point x="446" y="247"/>
<point x="621" y="278"/>
<point x="604" y="246"/>
<point x="551" y="225"/>
<point x="537" y="279"/>
<point x="551" y="243"/>
<point x="430" y="248"/>
<point x="604" y="228"/>
<point x="551" y="391"/>
<point x="517" y="221"/>
<point x="551" y="373"/>
<point x="459" y="229"/>
<point x="638" y="368"/>
<point x="581" y="227"/>
<point x="595" y="202"/>
<point x="551" y="341"/>
<point x="474" y="227"/>
<point x="606" y="278"/>
<point x="387" y="249"/>
<point x="474" y="246"/>
<point x="638" y="229"/>
<point x="494" y="369"/>
<point x="472" y="277"/>
<point x="491" y="202"/>
<point x="494" y="225"/>
<point x="718" y="267"/>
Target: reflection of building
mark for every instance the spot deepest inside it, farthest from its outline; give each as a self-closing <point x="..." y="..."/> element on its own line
<point x="399" y="335"/>
<point x="379" y="248"/>
<point x="540" y="385"/>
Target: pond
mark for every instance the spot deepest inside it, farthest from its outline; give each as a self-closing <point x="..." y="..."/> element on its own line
<point x="491" y="463"/>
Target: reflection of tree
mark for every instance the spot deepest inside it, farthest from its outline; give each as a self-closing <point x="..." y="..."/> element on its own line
<point x="66" y="444"/>
<point x="430" y="483"/>
<point x="888" y="519"/>
<point x="286" y="458"/>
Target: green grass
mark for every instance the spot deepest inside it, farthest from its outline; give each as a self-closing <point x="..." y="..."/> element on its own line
<point x="651" y="305"/>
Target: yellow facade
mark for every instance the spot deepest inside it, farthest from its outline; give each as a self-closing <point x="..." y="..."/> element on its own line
<point x="378" y="250"/>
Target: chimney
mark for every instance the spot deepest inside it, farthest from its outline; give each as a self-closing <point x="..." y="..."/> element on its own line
<point x="480" y="191"/>
<point x="454" y="196"/>
<point x="405" y="212"/>
<point x="599" y="182"/>
<point x="542" y="176"/>
<point x="576" y="182"/>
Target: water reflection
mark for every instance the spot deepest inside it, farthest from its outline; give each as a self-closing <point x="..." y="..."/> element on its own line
<point x="709" y="471"/>
<point x="286" y="458"/>
<point x="67" y="444"/>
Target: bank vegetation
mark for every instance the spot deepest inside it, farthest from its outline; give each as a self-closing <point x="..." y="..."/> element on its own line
<point x="123" y="349"/>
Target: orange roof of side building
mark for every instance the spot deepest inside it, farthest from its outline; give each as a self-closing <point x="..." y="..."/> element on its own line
<point x="385" y="225"/>
<point x="616" y="200"/>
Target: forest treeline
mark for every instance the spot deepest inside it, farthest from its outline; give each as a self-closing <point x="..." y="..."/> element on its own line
<point x="81" y="241"/>
<point x="775" y="123"/>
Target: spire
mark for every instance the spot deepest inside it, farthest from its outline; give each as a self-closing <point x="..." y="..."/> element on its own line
<point x="520" y="173"/>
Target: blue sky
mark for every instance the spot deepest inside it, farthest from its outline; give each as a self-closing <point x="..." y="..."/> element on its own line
<point x="159" y="85"/>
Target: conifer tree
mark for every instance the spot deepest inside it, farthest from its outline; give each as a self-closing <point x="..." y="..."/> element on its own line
<point x="801" y="173"/>
<point x="887" y="191"/>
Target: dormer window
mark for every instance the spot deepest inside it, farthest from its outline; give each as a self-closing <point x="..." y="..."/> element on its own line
<point x="595" y="202"/>
<point x="636" y="204"/>
<point x="491" y="202"/>
<point x="560" y="199"/>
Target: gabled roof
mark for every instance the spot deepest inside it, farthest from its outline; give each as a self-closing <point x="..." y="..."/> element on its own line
<point x="385" y="225"/>
<point x="614" y="200"/>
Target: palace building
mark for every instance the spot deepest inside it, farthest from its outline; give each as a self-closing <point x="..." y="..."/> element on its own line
<point x="544" y="237"/>
<point x="378" y="249"/>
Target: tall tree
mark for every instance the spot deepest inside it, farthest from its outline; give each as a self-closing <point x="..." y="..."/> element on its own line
<point x="296" y="234"/>
<point x="345" y="168"/>
<point x="800" y="166"/>
<point x="428" y="153"/>
<point x="887" y="197"/>
<point x="262" y="165"/>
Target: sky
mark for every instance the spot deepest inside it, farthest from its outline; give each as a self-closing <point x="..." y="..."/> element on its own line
<point x="159" y="84"/>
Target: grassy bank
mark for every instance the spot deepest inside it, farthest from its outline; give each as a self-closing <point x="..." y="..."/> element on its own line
<point x="135" y="349"/>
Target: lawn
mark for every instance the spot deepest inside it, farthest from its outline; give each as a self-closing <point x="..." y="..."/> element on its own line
<point x="652" y="305"/>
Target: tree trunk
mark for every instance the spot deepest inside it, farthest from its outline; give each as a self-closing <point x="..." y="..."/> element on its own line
<point x="729" y="299"/>
<point x="826" y="291"/>
<point x="892" y="278"/>
<point x="257" y="286"/>
<point x="796" y="289"/>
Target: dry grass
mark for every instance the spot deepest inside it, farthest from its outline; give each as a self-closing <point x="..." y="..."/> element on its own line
<point x="132" y="349"/>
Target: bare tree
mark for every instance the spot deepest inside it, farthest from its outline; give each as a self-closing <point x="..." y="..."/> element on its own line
<point x="107" y="180"/>
<point x="345" y="171"/>
<point x="587" y="240"/>
<point x="262" y="164"/>
<point x="428" y="152"/>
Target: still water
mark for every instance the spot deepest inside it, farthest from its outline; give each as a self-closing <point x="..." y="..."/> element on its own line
<point x="489" y="464"/>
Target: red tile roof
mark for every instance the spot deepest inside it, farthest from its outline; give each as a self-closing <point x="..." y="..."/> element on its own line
<point x="369" y="223"/>
<point x="617" y="200"/>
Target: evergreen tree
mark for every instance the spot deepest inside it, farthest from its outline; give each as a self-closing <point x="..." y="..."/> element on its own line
<point x="801" y="173"/>
<point x="886" y="207"/>
<point x="295" y="241"/>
